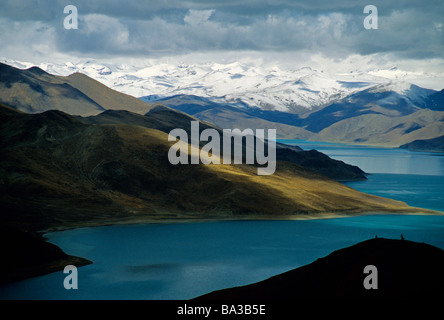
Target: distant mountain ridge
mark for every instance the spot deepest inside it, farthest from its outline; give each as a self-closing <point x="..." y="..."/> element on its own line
<point x="263" y="85"/>
<point x="382" y="99"/>
<point x="386" y="114"/>
<point x="39" y="87"/>
<point x="34" y="90"/>
<point x="429" y="145"/>
<point x="374" y="117"/>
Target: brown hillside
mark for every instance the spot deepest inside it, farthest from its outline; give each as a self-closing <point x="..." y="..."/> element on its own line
<point x="57" y="172"/>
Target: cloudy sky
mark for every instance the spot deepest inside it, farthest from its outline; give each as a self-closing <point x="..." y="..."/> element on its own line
<point x="408" y="30"/>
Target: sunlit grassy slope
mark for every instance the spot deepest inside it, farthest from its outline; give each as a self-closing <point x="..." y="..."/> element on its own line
<point x="57" y="172"/>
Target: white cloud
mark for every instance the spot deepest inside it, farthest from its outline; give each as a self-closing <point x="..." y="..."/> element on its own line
<point x="150" y="28"/>
<point x="107" y="27"/>
<point x="197" y="17"/>
<point x="26" y="39"/>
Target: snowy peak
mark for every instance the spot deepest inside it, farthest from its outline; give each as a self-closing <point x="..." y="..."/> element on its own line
<point x="400" y="87"/>
<point x="413" y="93"/>
<point x="267" y="86"/>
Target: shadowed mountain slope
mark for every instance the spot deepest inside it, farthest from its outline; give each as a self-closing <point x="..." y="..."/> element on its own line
<point x="388" y="115"/>
<point x="393" y="100"/>
<point x="229" y="116"/>
<point x="160" y="117"/>
<point x="166" y="119"/>
<point x="436" y="101"/>
<point x="58" y="172"/>
<point x="28" y="254"/>
<point x="430" y="145"/>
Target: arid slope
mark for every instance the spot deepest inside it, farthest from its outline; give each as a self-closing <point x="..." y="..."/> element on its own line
<point x="57" y="172"/>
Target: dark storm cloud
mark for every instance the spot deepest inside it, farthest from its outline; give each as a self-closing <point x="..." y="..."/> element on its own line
<point x="135" y="27"/>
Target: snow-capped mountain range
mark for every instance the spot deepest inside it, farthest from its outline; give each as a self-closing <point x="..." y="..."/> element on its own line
<point x="265" y="86"/>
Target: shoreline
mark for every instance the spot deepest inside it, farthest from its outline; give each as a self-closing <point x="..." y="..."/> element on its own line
<point x="203" y="219"/>
<point x="57" y="265"/>
<point x="43" y="269"/>
<point x="381" y="145"/>
<point x="30" y="255"/>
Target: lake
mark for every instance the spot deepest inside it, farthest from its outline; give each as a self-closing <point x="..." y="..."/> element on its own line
<point x="184" y="260"/>
<point x="416" y="178"/>
<point x="379" y="160"/>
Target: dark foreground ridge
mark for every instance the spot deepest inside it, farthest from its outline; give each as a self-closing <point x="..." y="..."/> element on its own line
<point x="405" y="270"/>
<point x="26" y="254"/>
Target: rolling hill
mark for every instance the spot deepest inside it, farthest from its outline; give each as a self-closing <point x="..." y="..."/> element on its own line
<point x="94" y="103"/>
<point x="378" y="129"/>
<point x="225" y="115"/>
<point x="165" y="119"/>
<point x="34" y="90"/>
<point x="384" y="115"/>
<point x="347" y="111"/>
<point x="392" y="100"/>
<point x="430" y="145"/>
<point x="57" y="172"/>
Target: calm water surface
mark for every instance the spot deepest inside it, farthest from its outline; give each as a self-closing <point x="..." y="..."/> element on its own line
<point x="184" y="260"/>
<point x="379" y="160"/>
<point x="416" y="178"/>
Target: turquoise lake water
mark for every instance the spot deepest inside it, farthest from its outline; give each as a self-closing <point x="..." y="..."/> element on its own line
<point x="416" y="178"/>
<point x="184" y="260"/>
